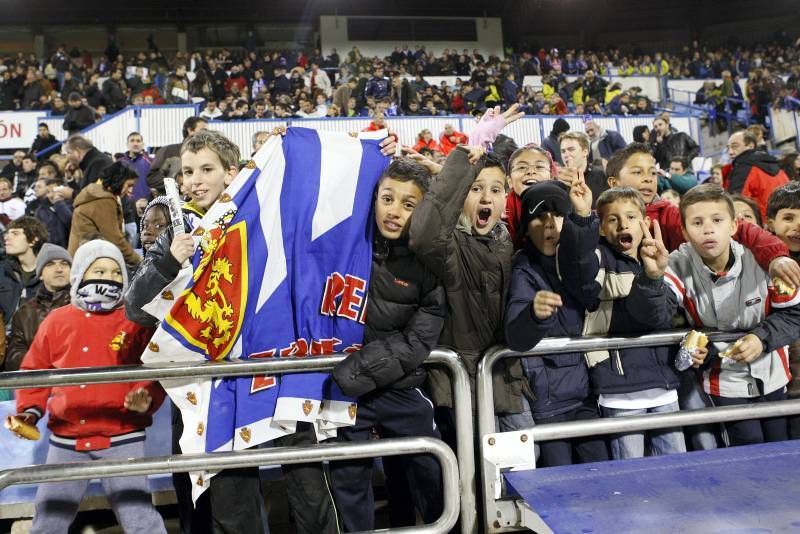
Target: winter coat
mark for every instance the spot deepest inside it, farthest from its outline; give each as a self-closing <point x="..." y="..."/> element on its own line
<point x="141" y="164"/>
<point x="754" y="174"/>
<point x="679" y="183"/>
<point x="446" y="145"/>
<point x="552" y="145"/>
<point x="92" y="165"/>
<point x="26" y="322"/>
<point x="610" y="143"/>
<point x="560" y="382"/>
<point x="40" y="143"/>
<point x="97" y="211"/>
<point x="676" y="144"/>
<point x="88" y="416"/>
<point x="158" y="269"/>
<point x="13" y="291"/>
<point x="405" y="315"/>
<point x="160" y="167"/>
<point x="76" y="119"/>
<point x="620" y="300"/>
<point x="58" y="220"/>
<point x="476" y="273"/>
<point x="738" y="300"/>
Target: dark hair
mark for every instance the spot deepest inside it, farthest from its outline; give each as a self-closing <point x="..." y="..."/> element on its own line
<point x="43" y="125"/>
<point x="29" y="156"/>
<point x="752" y="204"/>
<point x="48" y="163"/>
<point x="687" y="166"/>
<point x="530" y="147"/>
<point x="619" y="158"/>
<point x="503" y="147"/>
<point x="407" y="170"/>
<point x="132" y="134"/>
<point x="615" y="194"/>
<point x="54" y="181"/>
<point x="191" y="124"/>
<point x="115" y="175"/>
<point x="35" y="232"/>
<point x="706" y="193"/>
<point x="786" y="197"/>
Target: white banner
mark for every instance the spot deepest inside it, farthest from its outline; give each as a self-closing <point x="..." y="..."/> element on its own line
<point x="18" y="128"/>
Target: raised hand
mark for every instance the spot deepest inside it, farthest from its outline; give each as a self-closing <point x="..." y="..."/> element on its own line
<point x="581" y="197"/>
<point x="492" y="123"/>
<point x="652" y="251"/>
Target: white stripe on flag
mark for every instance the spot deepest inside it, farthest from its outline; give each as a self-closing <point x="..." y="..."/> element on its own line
<point x="268" y="188"/>
<point x="340" y="163"/>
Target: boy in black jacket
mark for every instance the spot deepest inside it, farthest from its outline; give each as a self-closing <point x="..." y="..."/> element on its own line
<point x="405" y="314"/>
<point x="539" y="306"/>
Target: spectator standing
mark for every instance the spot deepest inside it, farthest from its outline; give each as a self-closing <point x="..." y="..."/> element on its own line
<point x="44" y="139"/>
<point x="551" y="142"/>
<point x="603" y="142"/>
<point x="574" y="148"/>
<point x="55" y="212"/>
<point x="83" y="154"/>
<point x="669" y="143"/>
<point x="114" y="92"/>
<point x="751" y="172"/>
<point x="377" y="86"/>
<point x="136" y="158"/>
<point x="52" y="267"/>
<point x="98" y="210"/>
<point x="317" y="80"/>
<point x="79" y="115"/>
<point x="167" y="157"/>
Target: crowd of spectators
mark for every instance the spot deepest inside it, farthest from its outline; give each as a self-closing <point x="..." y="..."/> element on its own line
<point x="248" y="83"/>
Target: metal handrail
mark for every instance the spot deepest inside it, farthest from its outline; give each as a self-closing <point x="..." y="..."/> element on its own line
<point x="136" y="373"/>
<point x="273" y="456"/>
<point x="561" y="345"/>
<point x="485" y="388"/>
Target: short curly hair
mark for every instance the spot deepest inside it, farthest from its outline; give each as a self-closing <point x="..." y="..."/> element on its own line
<point x="35" y="232"/>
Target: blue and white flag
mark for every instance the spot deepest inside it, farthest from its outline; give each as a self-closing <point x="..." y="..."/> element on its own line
<point x="281" y="268"/>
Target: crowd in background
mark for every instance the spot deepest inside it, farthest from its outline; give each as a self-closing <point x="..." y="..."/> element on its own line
<point x="248" y="83"/>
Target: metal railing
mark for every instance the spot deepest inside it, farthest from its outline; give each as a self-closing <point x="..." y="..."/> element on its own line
<point x="486" y="416"/>
<point x="135" y="373"/>
<point x="274" y="456"/>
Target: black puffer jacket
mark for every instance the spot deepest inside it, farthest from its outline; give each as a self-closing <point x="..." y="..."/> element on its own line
<point x="405" y="315"/>
<point x="676" y="144"/>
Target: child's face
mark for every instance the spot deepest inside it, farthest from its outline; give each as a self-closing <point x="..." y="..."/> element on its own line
<point x="544" y="232"/>
<point x="639" y="172"/>
<point x="708" y="227"/>
<point x="529" y="168"/>
<point x="394" y="205"/>
<point x="103" y="269"/>
<point x="208" y="176"/>
<point x="486" y="200"/>
<point x="786" y="226"/>
<point x="744" y="212"/>
<point x="620" y="225"/>
<point x="716" y="176"/>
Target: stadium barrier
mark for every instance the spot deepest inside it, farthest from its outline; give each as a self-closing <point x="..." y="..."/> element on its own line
<point x="503" y="451"/>
<point x="135" y="373"/>
<point x="161" y="125"/>
<point x="276" y="456"/>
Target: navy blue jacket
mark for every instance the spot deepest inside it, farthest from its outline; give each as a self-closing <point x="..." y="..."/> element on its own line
<point x="612" y="142"/>
<point x="559" y="381"/>
<point x="647" y="308"/>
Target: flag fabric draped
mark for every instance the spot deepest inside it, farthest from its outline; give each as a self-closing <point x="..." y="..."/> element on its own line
<point x="281" y="268"/>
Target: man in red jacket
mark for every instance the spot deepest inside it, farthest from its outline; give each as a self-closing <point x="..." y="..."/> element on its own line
<point x="450" y="139"/>
<point x="634" y="166"/>
<point x="751" y="173"/>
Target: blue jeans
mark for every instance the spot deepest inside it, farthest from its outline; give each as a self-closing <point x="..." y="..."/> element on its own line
<point x="692" y="397"/>
<point x="632" y="445"/>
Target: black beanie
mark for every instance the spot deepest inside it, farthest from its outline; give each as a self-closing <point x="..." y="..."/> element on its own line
<point x="541" y="197"/>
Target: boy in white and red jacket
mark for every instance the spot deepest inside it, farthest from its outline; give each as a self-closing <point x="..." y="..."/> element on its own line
<point x="92" y="422"/>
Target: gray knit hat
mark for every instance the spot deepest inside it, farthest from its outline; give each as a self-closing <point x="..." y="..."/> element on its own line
<point x="50" y="252"/>
<point x="85" y="256"/>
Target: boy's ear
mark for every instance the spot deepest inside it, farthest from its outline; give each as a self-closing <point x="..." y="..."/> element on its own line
<point x="735" y="226"/>
<point x="770" y="226"/>
<point x="233" y="170"/>
<point x="612" y="181"/>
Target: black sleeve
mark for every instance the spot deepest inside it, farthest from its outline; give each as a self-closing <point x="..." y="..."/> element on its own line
<point x="651" y="303"/>
<point x="156" y="272"/>
<point x="779" y="328"/>
<point x="578" y="258"/>
<point x="381" y="362"/>
<point x="523" y="329"/>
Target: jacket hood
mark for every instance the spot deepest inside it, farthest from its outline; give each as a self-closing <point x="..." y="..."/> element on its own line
<point x="760" y="159"/>
<point x="93" y="192"/>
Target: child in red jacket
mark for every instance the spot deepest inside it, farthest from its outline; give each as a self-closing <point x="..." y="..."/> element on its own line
<point x="92" y="422"/>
